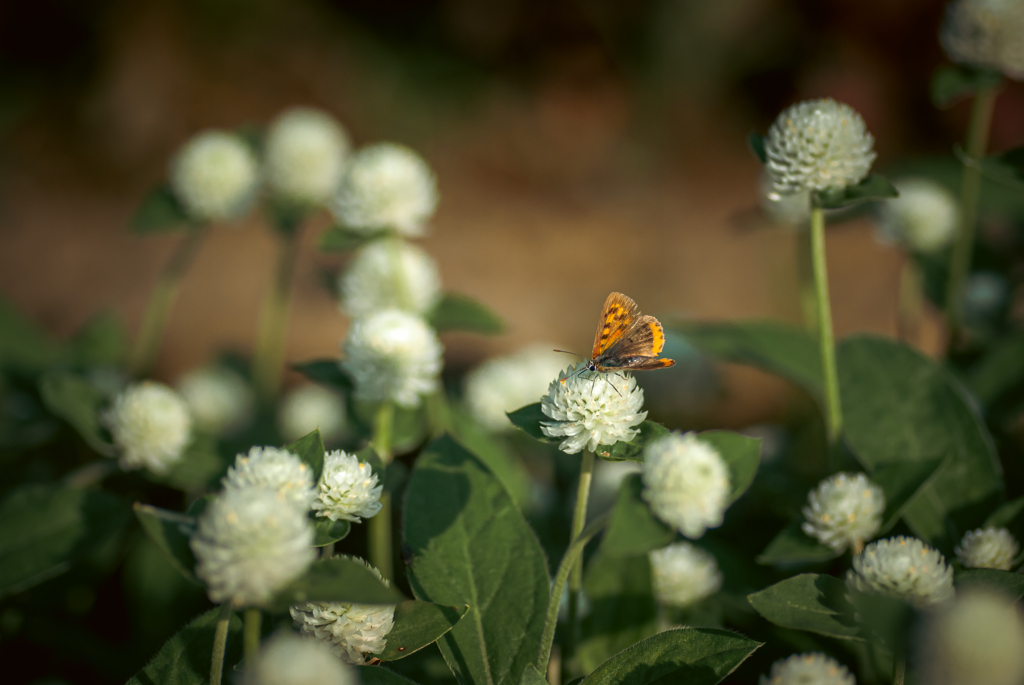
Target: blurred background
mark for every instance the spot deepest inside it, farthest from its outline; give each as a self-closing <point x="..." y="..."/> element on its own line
<point x="581" y="146"/>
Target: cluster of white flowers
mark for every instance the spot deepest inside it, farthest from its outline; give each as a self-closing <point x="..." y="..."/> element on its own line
<point x="986" y="33"/>
<point x="287" y="659"/>
<point x="219" y="399"/>
<point x="923" y="218"/>
<point x="275" y="469"/>
<point x="504" y="384"/>
<point x="351" y="630"/>
<point x="151" y="426"/>
<point x="845" y="510"/>
<point x="305" y="153"/>
<point x="813" y="668"/>
<point x="904" y="568"/>
<point x="215" y="176"/>
<point x="683" y="574"/>
<point x="390" y="274"/>
<point x="309" y="407"/>
<point x="348" y="489"/>
<point x="988" y="548"/>
<point x="686" y="483"/>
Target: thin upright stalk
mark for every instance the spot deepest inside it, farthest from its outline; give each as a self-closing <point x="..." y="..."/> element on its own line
<point x="402" y="291"/>
<point x="268" y="359"/>
<point x="579" y="517"/>
<point x="970" y="190"/>
<point x="805" y="276"/>
<point x="911" y="301"/>
<point x="154" y="320"/>
<point x="826" y="341"/>
<point x="220" y="641"/>
<point x="251" y="633"/>
<point x="380" y="525"/>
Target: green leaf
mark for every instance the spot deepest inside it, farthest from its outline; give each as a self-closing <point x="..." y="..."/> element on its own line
<point x="883" y="619"/>
<point x="489" y="449"/>
<point x="418" y="624"/>
<point x="1006" y="168"/>
<point x="809" y="602"/>
<point x="159" y="212"/>
<point x="328" y="532"/>
<point x="170" y="532"/>
<point x="472" y="546"/>
<point x="336" y="579"/>
<point x="950" y="82"/>
<point x="741" y="453"/>
<point x="531" y="676"/>
<point x="44" y="529"/>
<point x="695" y="656"/>
<point x="993" y="580"/>
<point x="460" y="313"/>
<point x="633" y="529"/>
<point x="755" y="141"/>
<point x="379" y="675"/>
<point x="310" y="449"/>
<point x="1006" y="515"/>
<point x="901" y="483"/>
<point x="185" y="658"/>
<point x="901" y="408"/>
<point x="102" y="341"/>
<point x="340" y="239"/>
<point x="528" y="420"/>
<point x="874" y="187"/>
<point x="71" y="398"/>
<point x="1000" y="369"/>
<point x="200" y="467"/>
<point x="24" y="346"/>
<point x="794" y="546"/>
<point x="326" y="372"/>
<point x="622" y="607"/>
<point x="634" y="449"/>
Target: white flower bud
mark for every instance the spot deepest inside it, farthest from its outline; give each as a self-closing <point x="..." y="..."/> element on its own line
<point x="310" y="407"/>
<point x="348" y="489"/>
<point x="904" y="568"/>
<point x="219" y="399"/>
<point x="988" y="548"/>
<point x="816" y="145"/>
<point x="305" y="156"/>
<point x="986" y="33"/>
<point x="371" y="282"/>
<point x="812" y="668"/>
<point x="923" y="218"/>
<point x="504" y="384"/>
<point x="845" y="510"/>
<point x="151" y="425"/>
<point x="351" y="630"/>
<point x="250" y="543"/>
<point x="275" y="469"/>
<point x="214" y="176"/>
<point x="392" y="355"/>
<point x="686" y="483"/>
<point x="287" y="659"/>
<point x="683" y="574"/>
<point x="386" y="187"/>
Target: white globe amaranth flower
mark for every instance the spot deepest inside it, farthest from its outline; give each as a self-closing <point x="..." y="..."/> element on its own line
<point x="275" y="469"/>
<point x="351" y="630"/>
<point x="215" y="176"/>
<point x="348" y="489"/>
<point x="387" y="187"/>
<point x="686" y="483"/>
<point x="986" y="33"/>
<point x="250" y="543"/>
<point x="305" y="154"/>
<point x="393" y="355"/>
<point x="816" y="145"/>
<point x="845" y="510"/>
<point x="976" y="641"/>
<point x="219" y="399"/>
<point x="151" y="426"/>
<point x="683" y="574"/>
<point x="904" y="568"/>
<point x="389" y="274"/>
<point x="504" y="384"/>
<point x="988" y="548"/>
<point x="310" y="407"/>
<point x="792" y="210"/>
<point x="813" y="668"/>
<point x="923" y="218"/>
<point x="287" y="659"/>
<point x="589" y="409"/>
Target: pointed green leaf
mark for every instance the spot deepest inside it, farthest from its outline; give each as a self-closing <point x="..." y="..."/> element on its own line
<point x="901" y="483"/>
<point x="1000" y="369"/>
<point x="328" y="532"/>
<point x="159" y="212"/>
<point x="528" y="420"/>
<point x="490" y="449"/>
<point x="755" y="141"/>
<point x="185" y="658"/>
<point x="170" y="532"/>
<point x="874" y="187"/>
<point x="531" y="676"/>
<point x="633" y="529"/>
<point x="418" y="624"/>
<point x="793" y="546"/>
<point x="993" y="580"/>
<point x="380" y="675"/>
<point x="1006" y="515"/>
<point x="809" y="602"/>
<point x="326" y="372"/>
<point x="953" y="81"/>
<point x="460" y="313"/>
<point x="336" y="579"/>
<point x="742" y="454"/>
<point x="341" y="239"/>
<point x="634" y="449"/>
<point x="310" y="449"/>
<point x="71" y="398"/>
<point x="1006" y="168"/>
<point x="471" y="546"/>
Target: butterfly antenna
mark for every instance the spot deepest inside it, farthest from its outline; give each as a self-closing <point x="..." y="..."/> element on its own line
<point x="572" y="353"/>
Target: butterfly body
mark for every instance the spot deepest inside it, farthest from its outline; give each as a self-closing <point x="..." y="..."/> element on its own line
<point x="627" y="340"/>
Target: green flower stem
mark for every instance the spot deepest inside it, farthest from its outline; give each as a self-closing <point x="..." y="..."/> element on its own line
<point x="805" y="276"/>
<point x="579" y="517"/>
<point x="380" y="525"/>
<point x="833" y="411"/>
<point x="268" y="358"/>
<point x="439" y="413"/>
<point x="970" y="190"/>
<point x="165" y="292"/>
<point x="220" y="641"/>
<point x="394" y="246"/>
<point x="251" y="634"/>
<point x="566" y="566"/>
<point x="911" y="301"/>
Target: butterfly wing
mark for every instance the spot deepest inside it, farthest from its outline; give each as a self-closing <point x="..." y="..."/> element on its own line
<point x="618" y="316"/>
<point x="637" y="348"/>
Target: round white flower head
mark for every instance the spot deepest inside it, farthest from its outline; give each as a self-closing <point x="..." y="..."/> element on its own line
<point x="904" y="568"/>
<point x="305" y="156"/>
<point x="988" y="33"/>
<point x="214" y="176"/>
<point x="371" y="282"/>
<point x="348" y="489"/>
<point x="988" y="548"/>
<point x="845" y="510"/>
<point x="219" y="399"/>
<point x="686" y="483"/>
<point x="392" y="355"/>
<point x="504" y="384"/>
<point x="816" y="145"/>
<point x="351" y="630"/>
<point x="813" y="668"/>
<point x="590" y="409"/>
<point x="923" y="218"/>
<point x="386" y="187"/>
<point x="975" y="642"/>
<point x="275" y="469"/>
<point x="151" y="425"/>
<point x="793" y="210"/>
<point x="250" y="543"/>
<point x="287" y="659"/>
<point x="310" y="407"/>
<point x="684" y="574"/>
